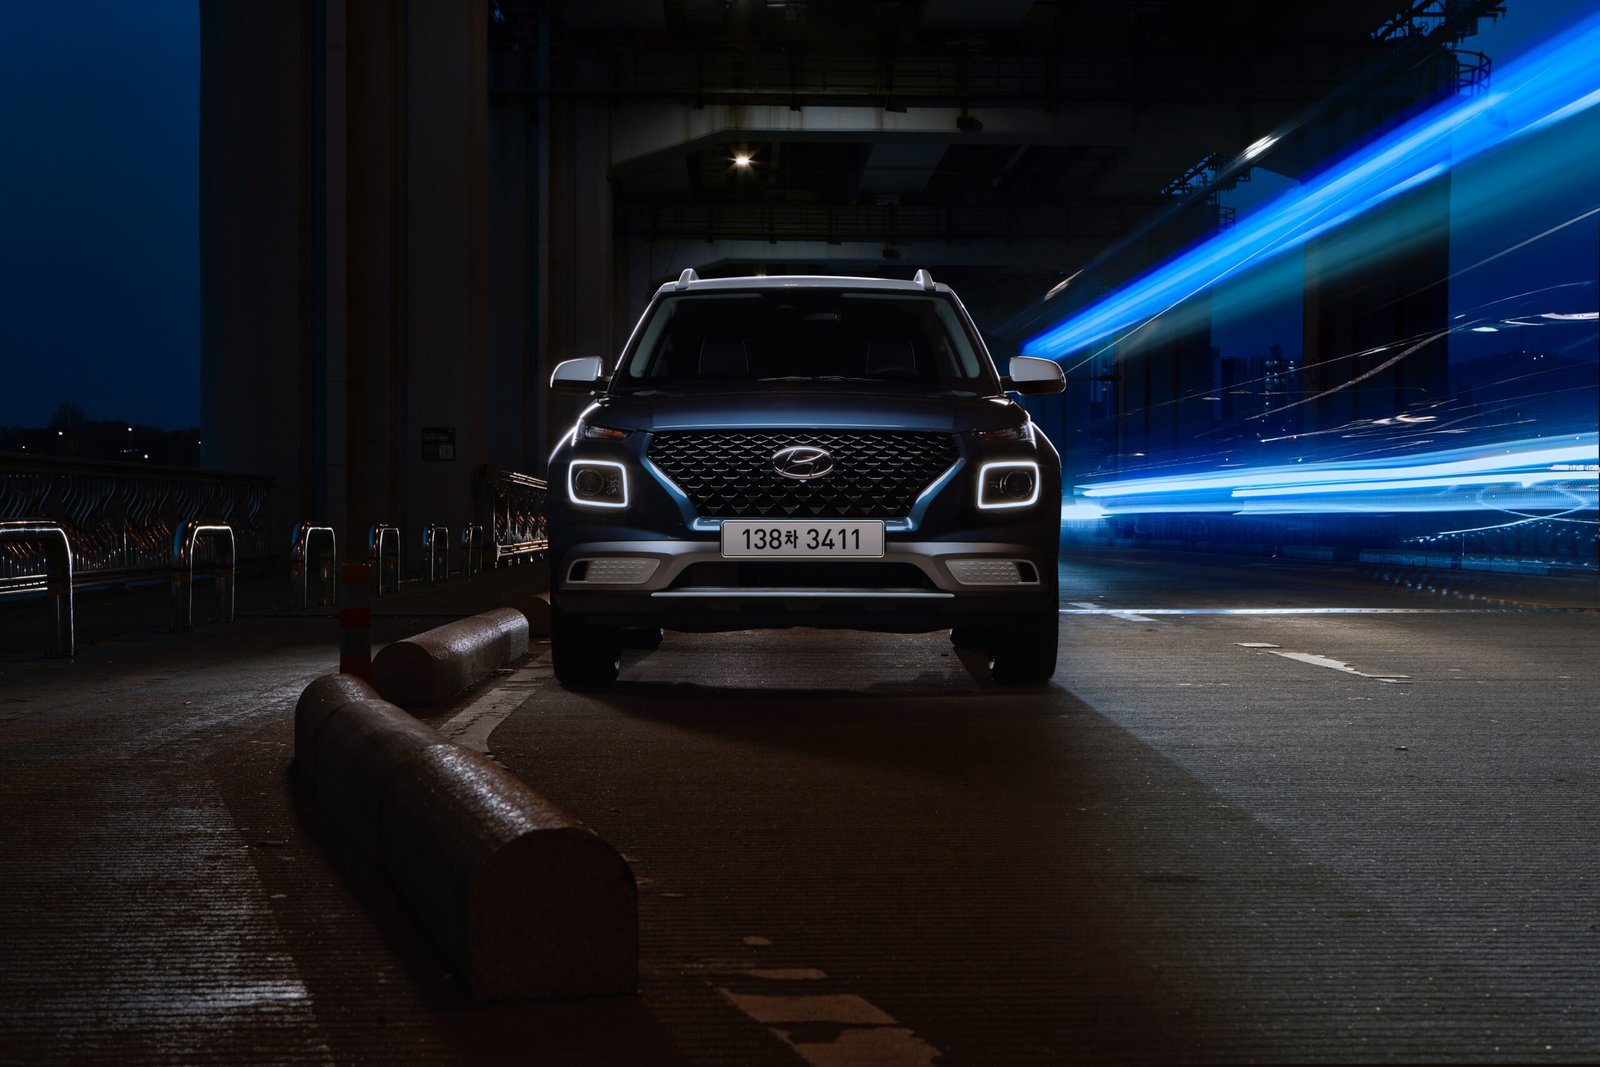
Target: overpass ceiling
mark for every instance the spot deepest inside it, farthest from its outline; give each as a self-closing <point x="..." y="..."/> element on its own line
<point x="927" y="120"/>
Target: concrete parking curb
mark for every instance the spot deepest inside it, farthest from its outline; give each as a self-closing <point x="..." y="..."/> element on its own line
<point x="316" y="705"/>
<point x="430" y="668"/>
<point x="521" y="899"/>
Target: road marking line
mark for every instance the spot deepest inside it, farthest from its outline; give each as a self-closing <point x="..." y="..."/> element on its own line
<point x="865" y="1034"/>
<point x="844" y="1008"/>
<point x="879" y="1046"/>
<point x="1340" y="665"/>
<point x="1255" y="644"/>
<point x="471" y="726"/>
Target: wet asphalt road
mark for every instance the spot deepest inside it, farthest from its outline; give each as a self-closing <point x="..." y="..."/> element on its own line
<point x="1292" y="835"/>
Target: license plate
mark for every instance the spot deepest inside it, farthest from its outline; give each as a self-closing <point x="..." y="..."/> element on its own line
<point x="746" y="539"/>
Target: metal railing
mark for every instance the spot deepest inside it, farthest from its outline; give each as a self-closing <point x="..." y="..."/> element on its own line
<point x="305" y="537"/>
<point x="120" y="518"/>
<point x="512" y="505"/>
<point x="471" y="543"/>
<point x="383" y="548"/>
<point x="51" y="539"/>
<point x="184" y="543"/>
<point x="436" y="540"/>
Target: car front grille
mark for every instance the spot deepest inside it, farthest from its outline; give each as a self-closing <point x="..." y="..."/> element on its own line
<point x="730" y="474"/>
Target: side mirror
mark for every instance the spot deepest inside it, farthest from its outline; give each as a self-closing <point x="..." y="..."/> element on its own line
<point x="579" y="376"/>
<point x="1031" y="376"/>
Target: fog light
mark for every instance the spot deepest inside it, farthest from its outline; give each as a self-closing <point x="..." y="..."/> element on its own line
<point x="993" y="572"/>
<point x="1010" y="484"/>
<point x="613" y="570"/>
<point x="597" y="483"/>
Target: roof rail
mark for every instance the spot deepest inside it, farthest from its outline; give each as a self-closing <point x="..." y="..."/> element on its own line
<point x="924" y="279"/>
<point x="686" y="277"/>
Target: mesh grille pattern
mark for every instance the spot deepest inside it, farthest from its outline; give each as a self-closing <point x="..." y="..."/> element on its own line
<point x="728" y="474"/>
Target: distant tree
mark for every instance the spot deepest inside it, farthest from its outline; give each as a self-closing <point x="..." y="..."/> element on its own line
<point x="67" y="416"/>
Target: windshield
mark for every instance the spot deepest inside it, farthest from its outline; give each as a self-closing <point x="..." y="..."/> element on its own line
<point x="814" y="336"/>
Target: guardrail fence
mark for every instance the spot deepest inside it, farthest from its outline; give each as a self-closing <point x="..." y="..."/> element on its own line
<point x="513" y="508"/>
<point x="120" y="518"/>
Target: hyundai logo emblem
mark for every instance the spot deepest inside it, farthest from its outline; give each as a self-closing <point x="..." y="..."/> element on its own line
<point x="802" y="462"/>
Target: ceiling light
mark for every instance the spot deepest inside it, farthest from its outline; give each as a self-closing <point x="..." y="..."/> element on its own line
<point x="741" y="160"/>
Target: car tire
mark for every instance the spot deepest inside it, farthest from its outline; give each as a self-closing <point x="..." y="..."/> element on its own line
<point x="582" y="655"/>
<point x="971" y="637"/>
<point x="647" y="638"/>
<point x="1025" y="654"/>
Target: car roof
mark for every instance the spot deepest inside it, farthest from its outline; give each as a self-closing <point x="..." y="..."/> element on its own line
<point x="799" y="281"/>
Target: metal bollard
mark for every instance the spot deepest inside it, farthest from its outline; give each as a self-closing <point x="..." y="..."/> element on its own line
<point x="184" y="543"/>
<point x="471" y="540"/>
<point x="434" y="539"/>
<point x="355" y="621"/>
<point x="305" y="535"/>
<point x="383" y="547"/>
<point x="58" y="578"/>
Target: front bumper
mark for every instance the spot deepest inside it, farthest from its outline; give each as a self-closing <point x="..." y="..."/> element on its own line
<point x="956" y="583"/>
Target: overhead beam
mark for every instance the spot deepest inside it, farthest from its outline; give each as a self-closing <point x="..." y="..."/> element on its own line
<point x="1099" y="220"/>
<point x="640" y="132"/>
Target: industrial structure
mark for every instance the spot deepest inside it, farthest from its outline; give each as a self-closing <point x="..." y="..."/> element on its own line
<point x="410" y="214"/>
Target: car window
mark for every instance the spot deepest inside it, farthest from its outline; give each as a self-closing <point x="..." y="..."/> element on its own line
<point x="818" y="336"/>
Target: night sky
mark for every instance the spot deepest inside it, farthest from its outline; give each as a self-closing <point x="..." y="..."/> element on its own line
<point x="99" y="277"/>
<point x="99" y="210"/>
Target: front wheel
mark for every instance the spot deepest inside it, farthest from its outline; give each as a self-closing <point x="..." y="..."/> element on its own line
<point x="1025" y="653"/>
<point x="582" y="655"/>
<point x="970" y="637"/>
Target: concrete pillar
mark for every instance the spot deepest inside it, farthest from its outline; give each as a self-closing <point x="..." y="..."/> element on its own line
<point x="255" y="324"/>
<point x="1162" y="375"/>
<point x="344" y="243"/>
<point x="1377" y="310"/>
<point x="375" y="182"/>
<point x="445" y="255"/>
<point x="577" y="271"/>
<point x="514" y="442"/>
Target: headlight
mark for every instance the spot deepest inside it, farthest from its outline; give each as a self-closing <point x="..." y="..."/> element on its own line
<point x="1008" y="484"/>
<point x="597" y="483"/>
<point x="1022" y="433"/>
<point x="585" y="431"/>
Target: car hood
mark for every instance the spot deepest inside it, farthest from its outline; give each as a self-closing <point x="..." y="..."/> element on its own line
<point x="808" y="408"/>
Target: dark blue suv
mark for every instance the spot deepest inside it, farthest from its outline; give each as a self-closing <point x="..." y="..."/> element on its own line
<point x="804" y="451"/>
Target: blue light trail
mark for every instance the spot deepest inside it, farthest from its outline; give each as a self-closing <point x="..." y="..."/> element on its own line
<point x="1532" y="474"/>
<point x="1544" y="86"/>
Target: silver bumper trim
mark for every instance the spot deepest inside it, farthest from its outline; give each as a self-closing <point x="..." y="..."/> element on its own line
<point x="711" y="593"/>
<point x="930" y="557"/>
